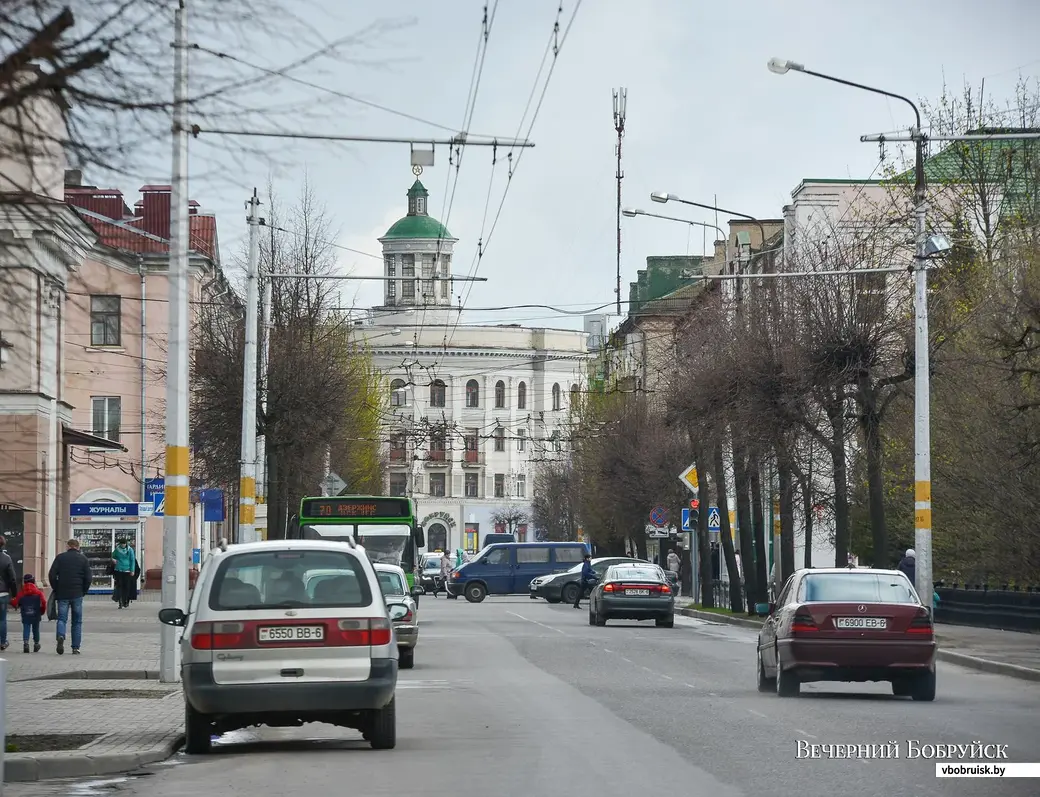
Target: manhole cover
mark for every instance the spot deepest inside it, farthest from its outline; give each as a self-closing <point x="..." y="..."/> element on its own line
<point x="48" y="742"/>
<point x="111" y="694"/>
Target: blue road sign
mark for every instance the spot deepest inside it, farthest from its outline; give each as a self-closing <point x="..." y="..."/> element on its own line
<point x="154" y="492"/>
<point x="659" y="516"/>
<point x="212" y="505"/>
<point x="714" y="520"/>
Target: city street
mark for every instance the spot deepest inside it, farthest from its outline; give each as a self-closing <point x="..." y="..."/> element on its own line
<point x="516" y="697"/>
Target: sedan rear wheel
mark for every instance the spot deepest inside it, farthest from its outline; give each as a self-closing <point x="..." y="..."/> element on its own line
<point x="665" y="622"/>
<point x="601" y="618"/>
<point x="198" y="731"/>
<point x="924" y="687"/>
<point x="787" y="683"/>
<point x="902" y="687"/>
<point x="764" y="684"/>
<point x="382" y="729"/>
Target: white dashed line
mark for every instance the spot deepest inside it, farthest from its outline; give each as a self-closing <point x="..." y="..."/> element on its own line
<point x="757" y="713"/>
<point x="804" y="733"/>
<point x="667" y="677"/>
<point x="628" y="660"/>
<point x="690" y="685"/>
<point x="607" y="650"/>
<point x="529" y="620"/>
<point x="646" y="668"/>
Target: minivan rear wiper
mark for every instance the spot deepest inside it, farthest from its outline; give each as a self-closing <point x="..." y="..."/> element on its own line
<point x="258" y="606"/>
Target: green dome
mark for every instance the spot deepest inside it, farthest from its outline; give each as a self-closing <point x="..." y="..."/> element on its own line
<point x="417" y="227"/>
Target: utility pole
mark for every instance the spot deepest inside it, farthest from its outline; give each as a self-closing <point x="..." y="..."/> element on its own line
<point x="620" y="106"/>
<point x="177" y="485"/>
<point x="265" y="364"/>
<point x="247" y="474"/>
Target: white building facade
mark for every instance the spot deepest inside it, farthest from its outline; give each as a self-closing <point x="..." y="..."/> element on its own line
<point x="473" y="410"/>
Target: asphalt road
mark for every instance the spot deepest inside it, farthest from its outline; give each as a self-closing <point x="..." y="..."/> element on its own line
<point x="513" y="698"/>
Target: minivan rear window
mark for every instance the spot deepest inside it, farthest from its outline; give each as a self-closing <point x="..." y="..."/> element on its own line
<point x="300" y="578"/>
<point x="569" y="553"/>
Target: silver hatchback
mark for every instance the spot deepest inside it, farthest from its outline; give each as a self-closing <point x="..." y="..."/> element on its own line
<point x="283" y="633"/>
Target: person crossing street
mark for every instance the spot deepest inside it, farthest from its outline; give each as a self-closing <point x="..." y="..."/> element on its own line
<point x="587" y="579"/>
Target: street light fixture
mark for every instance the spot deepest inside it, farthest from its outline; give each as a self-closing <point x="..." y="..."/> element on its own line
<point x="925" y="248"/>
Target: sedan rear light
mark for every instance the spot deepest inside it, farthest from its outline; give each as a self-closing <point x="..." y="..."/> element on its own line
<point x="921" y="624"/>
<point x="219" y="636"/>
<point x="374" y="631"/>
<point x="661" y="589"/>
<point x="803" y="623"/>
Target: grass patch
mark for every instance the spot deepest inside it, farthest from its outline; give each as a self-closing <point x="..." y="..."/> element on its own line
<point x="49" y="742"/>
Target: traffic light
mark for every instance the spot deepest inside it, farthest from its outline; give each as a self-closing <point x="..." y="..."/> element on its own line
<point x="695" y="512"/>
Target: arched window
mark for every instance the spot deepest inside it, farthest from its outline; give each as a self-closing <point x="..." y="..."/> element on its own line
<point x="472" y="393"/>
<point x="556" y="396"/>
<point x="521" y="396"/>
<point x="398" y="393"/>
<point x="556" y="444"/>
<point x="500" y="395"/>
<point x="500" y="439"/>
<point x="574" y="396"/>
<point x="437" y="393"/>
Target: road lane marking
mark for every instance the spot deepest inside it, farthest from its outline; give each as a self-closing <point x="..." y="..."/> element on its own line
<point x="691" y="686"/>
<point x="529" y="620"/>
<point x="628" y="660"/>
<point x="667" y="677"/>
<point x="607" y="650"/>
<point x="646" y="668"/>
<point x="804" y="733"/>
<point x="757" y="713"/>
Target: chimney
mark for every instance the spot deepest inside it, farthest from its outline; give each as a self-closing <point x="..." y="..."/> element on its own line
<point x="155" y="210"/>
<point x="73" y="178"/>
<point x="720" y="250"/>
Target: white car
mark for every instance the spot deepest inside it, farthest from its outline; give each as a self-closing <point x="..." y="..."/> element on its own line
<point x="395" y="589"/>
<point x="267" y="641"/>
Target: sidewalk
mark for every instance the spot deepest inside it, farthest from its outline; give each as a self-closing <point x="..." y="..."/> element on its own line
<point x="110" y="696"/>
<point x="1012" y="653"/>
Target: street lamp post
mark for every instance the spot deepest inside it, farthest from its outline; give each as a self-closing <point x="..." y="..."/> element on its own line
<point x="922" y="399"/>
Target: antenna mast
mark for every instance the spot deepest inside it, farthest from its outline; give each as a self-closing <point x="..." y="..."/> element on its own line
<point x="620" y="103"/>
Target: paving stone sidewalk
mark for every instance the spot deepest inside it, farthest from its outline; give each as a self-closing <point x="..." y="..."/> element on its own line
<point x="110" y="692"/>
<point x="1012" y="653"/>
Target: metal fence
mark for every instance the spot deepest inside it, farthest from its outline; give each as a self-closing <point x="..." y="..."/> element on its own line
<point x="1008" y="608"/>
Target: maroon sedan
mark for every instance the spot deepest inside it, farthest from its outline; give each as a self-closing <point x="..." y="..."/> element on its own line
<point x="836" y="624"/>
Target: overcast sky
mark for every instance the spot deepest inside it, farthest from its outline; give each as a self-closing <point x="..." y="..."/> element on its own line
<point x="705" y="118"/>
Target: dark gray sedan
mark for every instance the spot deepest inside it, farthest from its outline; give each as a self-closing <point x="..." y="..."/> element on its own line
<point x="633" y="592"/>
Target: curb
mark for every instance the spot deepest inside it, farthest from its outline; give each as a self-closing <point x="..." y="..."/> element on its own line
<point x="28" y="767"/>
<point x="949" y="656"/>
<point x="94" y="675"/>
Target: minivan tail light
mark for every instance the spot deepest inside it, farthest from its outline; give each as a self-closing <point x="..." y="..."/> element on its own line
<point x="921" y="624"/>
<point x="360" y="633"/>
<point x="803" y="623"/>
<point x="218" y="636"/>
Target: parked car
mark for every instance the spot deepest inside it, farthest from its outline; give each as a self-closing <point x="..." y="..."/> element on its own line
<point x="406" y="628"/>
<point x="509" y="568"/>
<point x="848" y="624"/>
<point x="557" y="587"/>
<point x="633" y="591"/>
<point x="285" y="632"/>
<point x="429" y="572"/>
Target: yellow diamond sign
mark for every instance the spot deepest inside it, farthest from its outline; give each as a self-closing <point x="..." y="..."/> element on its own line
<point x="689" y="478"/>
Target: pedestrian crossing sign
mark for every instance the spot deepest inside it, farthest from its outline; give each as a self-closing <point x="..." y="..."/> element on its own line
<point x="714" y="521"/>
<point x="160" y="505"/>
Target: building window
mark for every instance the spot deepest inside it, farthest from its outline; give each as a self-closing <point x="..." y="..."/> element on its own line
<point x="521" y="396"/>
<point x="556" y="397"/>
<point x="500" y="439"/>
<point x="574" y="396"/>
<point x="398" y="448"/>
<point x="521" y="486"/>
<point x="107" y="412"/>
<point x="521" y="439"/>
<point x="556" y="444"/>
<point x="420" y="204"/>
<point x="408" y="289"/>
<point x="398" y="393"/>
<point x="445" y="271"/>
<point x="437" y="447"/>
<point x="105" y="320"/>
<point x="437" y="482"/>
<point x="472" y="445"/>
<point x="408" y="274"/>
<point x="471" y="485"/>
<point x="399" y="484"/>
<point x="500" y="485"/>
<point x="437" y="393"/>
<point x="500" y="395"/>
<point x="472" y="393"/>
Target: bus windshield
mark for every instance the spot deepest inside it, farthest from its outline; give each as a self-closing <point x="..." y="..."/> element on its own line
<point x="384" y="543"/>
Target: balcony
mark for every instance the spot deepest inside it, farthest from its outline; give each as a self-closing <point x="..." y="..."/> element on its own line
<point x="437" y="458"/>
<point x="473" y="459"/>
<point x="399" y="458"/>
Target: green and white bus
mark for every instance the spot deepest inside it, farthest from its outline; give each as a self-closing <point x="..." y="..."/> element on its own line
<point x="385" y="526"/>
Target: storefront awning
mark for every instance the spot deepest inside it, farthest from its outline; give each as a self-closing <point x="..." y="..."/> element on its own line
<point x="75" y="437"/>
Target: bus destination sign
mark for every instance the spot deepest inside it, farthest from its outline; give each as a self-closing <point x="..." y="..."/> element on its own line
<point x="344" y="507"/>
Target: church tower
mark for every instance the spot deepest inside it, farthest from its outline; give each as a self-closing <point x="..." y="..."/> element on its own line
<point x="417" y="253"/>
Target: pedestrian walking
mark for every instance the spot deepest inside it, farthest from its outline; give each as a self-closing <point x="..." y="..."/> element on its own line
<point x="32" y="604"/>
<point x="70" y="582"/>
<point x="9" y="585"/>
<point x="125" y="572"/>
<point x="446" y="569"/>
<point x="586" y="580"/>
<point x="908" y="565"/>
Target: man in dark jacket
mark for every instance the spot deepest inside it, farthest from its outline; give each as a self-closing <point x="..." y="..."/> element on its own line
<point x="908" y="566"/>
<point x="70" y="581"/>
<point x="8" y="589"/>
<point x="588" y="578"/>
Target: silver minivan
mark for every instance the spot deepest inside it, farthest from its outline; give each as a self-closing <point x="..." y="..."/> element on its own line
<point x="286" y="632"/>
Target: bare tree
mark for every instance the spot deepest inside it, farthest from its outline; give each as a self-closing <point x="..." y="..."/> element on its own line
<point x="510" y="518"/>
<point x="554" y="508"/>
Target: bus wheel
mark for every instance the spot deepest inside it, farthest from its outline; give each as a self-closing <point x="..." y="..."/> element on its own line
<point x="475" y="592"/>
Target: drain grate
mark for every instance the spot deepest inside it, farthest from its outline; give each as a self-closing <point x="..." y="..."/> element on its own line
<point x="111" y="694"/>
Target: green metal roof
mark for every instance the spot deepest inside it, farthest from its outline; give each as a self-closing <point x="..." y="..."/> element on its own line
<point x="417" y="189"/>
<point x="417" y="227"/>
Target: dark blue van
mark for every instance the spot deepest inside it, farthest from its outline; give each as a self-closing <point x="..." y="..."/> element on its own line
<point x="508" y="568"/>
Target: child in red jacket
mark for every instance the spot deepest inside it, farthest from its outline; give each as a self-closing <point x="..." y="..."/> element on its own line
<point x="33" y="606"/>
